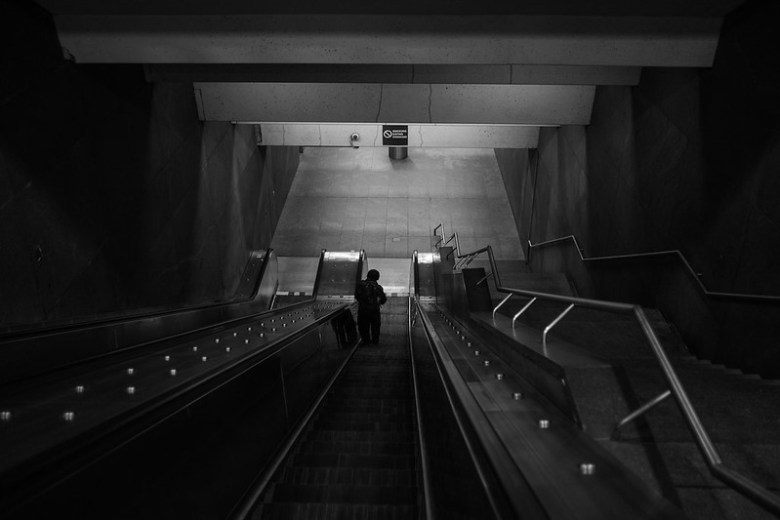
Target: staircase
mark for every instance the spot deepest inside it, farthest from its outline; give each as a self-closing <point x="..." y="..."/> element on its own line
<point x="358" y="458"/>
<point x="741" y="413"/>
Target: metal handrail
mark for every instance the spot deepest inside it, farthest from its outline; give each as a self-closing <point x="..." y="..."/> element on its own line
<point x="762" y="298"/>
<point x="426" y="473"/>
<point x="441" y="235"/>
<point x="752" y="490"/>
<point x="457" y="243"/>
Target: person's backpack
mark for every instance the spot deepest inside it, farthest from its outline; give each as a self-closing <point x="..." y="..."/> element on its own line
<point x="369" y="295"/>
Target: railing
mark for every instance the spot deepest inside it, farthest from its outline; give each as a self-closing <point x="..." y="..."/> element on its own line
<point x="442" y="242"/>
<point x="755" y="492"/>
<point x="655" y="254"/>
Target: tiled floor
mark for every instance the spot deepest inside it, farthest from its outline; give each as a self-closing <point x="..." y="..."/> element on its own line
<point x="352" y="199"/>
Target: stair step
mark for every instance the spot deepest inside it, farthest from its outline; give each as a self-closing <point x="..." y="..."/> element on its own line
<point x="339" y="493"/>
<point x="350" y="476"/>
<point x="287" y="511"/>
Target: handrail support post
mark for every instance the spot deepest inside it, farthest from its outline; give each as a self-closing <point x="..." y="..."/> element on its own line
<point x="521" y="311"/>
<point x="639" y="412"/>
<point x="482" y="280"/>
<point x="500" y="304"/>
<point x="552" y="324"/>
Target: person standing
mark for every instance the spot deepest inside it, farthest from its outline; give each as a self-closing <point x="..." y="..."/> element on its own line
<point x="370" y="296"/>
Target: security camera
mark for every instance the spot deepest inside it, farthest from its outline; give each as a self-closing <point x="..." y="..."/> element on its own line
<point x="354" y="138"/>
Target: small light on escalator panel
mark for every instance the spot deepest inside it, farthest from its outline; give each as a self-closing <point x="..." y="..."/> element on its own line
<point x="173" y="372"/>
<point x="235" y="334"/>
<point x="130" y="371"/>
<point x="167" y="358"/>
<point x="476" y="352"/>
<point x="69" y="416"/>
<point x="195" y="348"/>
<point x="517" y="396"/>
<point x="500" y="377"/>
<point x="130" y="390"/>
<point x="227" y="349"/>
<point x="5" y="415"/>
<point x="487" y="363"/>
<point x="544" y="424"/>
<point x="246" y="342"/>
<point x="79" y="389"/>
<point x="586" y="468"/>
<point x="204" y="359"/>
<point x="216" y="340"/>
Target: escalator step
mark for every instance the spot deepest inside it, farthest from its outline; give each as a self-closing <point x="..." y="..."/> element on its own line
<point x="349" y="417"/>
<point x="359" y="448"/>
<point x="287" y="511"/>
<point x="364" y="425"/>
<point x="357" y="436"/>
<point x="350" y="476"/>
<point x="336" y="460"/>
<point x="370" y="405"/>
<point x="338" y="493"/>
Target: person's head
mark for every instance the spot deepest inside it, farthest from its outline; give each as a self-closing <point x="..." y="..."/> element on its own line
<point x="373" y="274"/>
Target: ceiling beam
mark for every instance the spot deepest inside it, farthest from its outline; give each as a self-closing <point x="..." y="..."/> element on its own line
<point x="436" y="136"/>
<point x="420" y="74"/>
<point x="392" y="103"/>
<point x="392" y="39"/>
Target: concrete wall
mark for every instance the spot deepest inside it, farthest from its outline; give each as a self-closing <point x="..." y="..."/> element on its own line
<point x="113" y="196"/>
<point x="686" y="160"/>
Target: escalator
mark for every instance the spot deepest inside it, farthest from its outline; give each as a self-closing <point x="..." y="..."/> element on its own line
<point x="279" y="414"/>
<point x="357" y="459"/>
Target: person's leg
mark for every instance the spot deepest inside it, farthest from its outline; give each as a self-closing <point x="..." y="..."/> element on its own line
<point x="364" y="323"/>
<point x="376" y="325"/>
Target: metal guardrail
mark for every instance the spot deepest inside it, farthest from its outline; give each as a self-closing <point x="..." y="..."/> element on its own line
<point x="761" y="298"/>
<point x="752" y="490"/>
<point x="442" y="242"/>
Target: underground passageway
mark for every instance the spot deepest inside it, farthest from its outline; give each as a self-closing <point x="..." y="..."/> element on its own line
<point x="572" y="208"/>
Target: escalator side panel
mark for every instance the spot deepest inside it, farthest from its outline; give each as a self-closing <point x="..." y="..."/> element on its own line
<point x="338" y="274"/>
<point x="457" y="491"/>
<point x="195" y="456"/>
<point x="31" y="354"/>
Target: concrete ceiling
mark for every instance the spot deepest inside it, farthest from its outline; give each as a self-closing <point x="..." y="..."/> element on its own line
<point x="492" y="62"/>
<point x="706" y="8"/>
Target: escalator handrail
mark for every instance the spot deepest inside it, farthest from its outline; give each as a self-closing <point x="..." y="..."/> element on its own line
<point x="752" y="490"/>
<point x="756" y="298"/>
<point x="210" y="327"/>
<point x="436" y="346"/>
<point x="318" y="276"/>
<point x="424" y="466"/>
